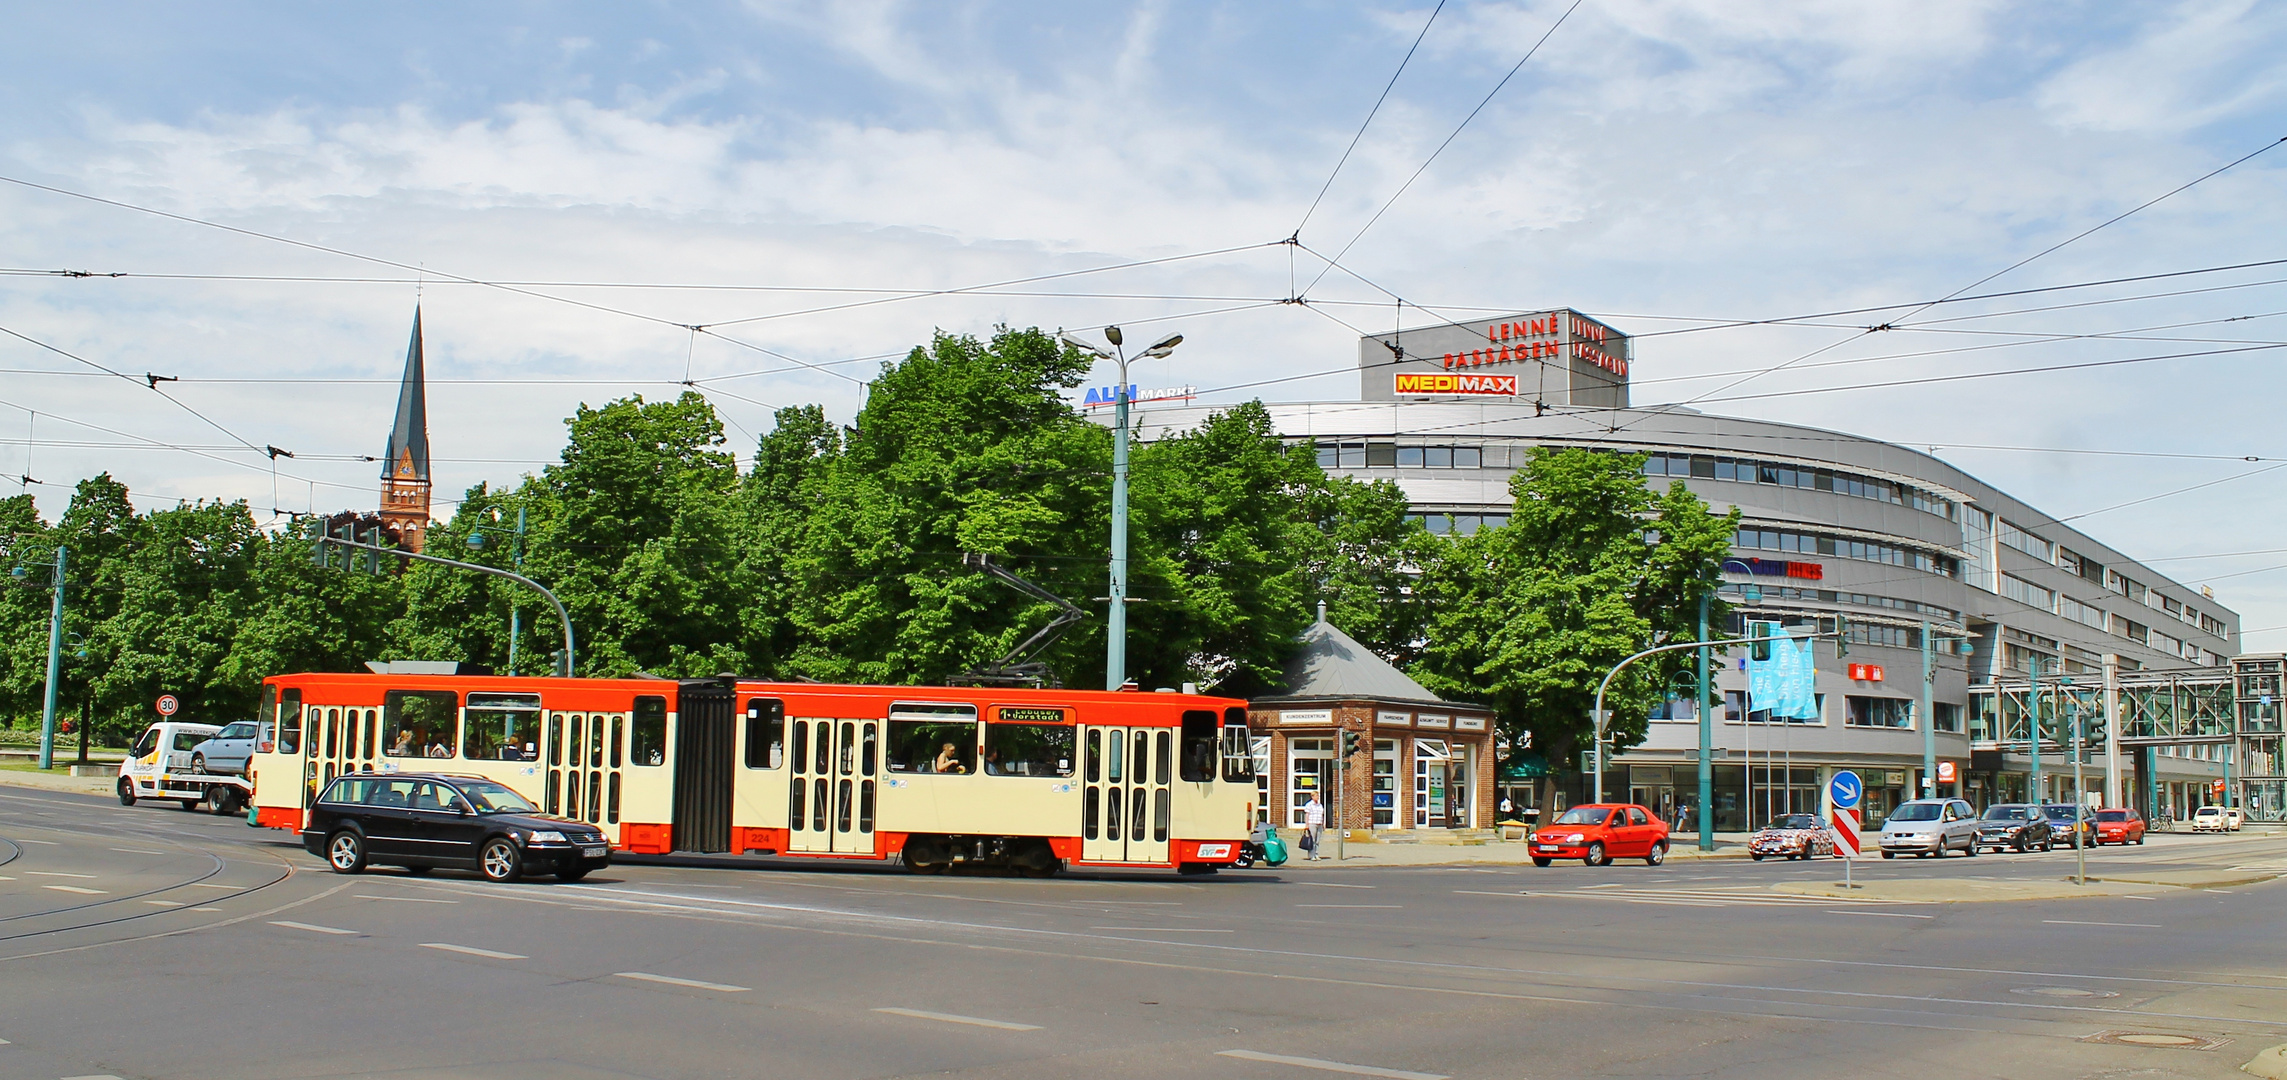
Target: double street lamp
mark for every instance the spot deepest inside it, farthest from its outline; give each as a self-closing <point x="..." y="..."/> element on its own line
<point x="1116" y="630"/>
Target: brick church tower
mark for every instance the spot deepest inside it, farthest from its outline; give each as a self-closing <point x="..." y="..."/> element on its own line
<point x="405" y="470"/>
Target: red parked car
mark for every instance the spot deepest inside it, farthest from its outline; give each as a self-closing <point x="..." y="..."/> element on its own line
<point x="1598" y="833"/>
<point x="2119" y="827"/>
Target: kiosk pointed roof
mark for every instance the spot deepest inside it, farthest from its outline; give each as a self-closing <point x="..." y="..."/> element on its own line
<point x="1332" y="664"/>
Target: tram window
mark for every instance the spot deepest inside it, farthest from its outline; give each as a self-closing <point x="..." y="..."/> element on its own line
<point x="818" y="806"/>
<point x="1095" y="758"/>
<point x="555" y="743"/>
<point x="289" y="721"/>
<point x="849" y="757"/>
<point x="611" y="804"/>
<point x="1199" y="746"/>
<point x="765" y="733"/>
<point x="502" y="727"/>
<point x="801" y="754"/>
<point x="649" y="741"/>
<point x="596" y="744"/>
<point x="1088" y="816"/>
<point x="1136" y="813"/>
<point x="794" y="800"/>
<point x="1028" y="749"/>
<point x="865" y="806"/>
<point x="842" y="808"/>
<point x="420" y="723"/>
<point x="1159" y="759"/>
<point x="1161" y="810"/>
<point x="369" y="734"/>
<point x="618" y="734"/>
<point x="866" y="751"/>
<point x="333" y="732"/>
<point x="925" y="746"/>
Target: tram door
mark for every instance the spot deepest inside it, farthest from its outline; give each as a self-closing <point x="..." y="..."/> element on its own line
<point x="1125" y="801"/>
<point x="706" y="730"/>
<point x="830" y="791"/>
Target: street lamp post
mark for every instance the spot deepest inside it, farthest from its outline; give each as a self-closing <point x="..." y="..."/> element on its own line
<point x="1116" y="625"/>
<point x="1749" y="594"/>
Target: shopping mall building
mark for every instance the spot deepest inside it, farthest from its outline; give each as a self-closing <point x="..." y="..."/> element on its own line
<point x="1835" y="530"/>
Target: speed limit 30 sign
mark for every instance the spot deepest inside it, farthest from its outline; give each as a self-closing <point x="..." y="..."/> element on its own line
<point x="168" y="705"/>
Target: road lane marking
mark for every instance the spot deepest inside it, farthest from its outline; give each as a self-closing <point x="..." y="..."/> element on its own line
<point x="164" y="903"/>
<point x="673" y="981"/>
<point x="2084" y="922"/>
<point x="1333" y="885"/>
<point x="1138" y="903"/>
<point x="76" y="889"/>
<point x="312" y="927"/>
<point x="210" y="885"/>
<point x="42" y="843"/>
<point x="403" y="899"/>
<point x="1479" y="892"/>
<point x="950" y="1018"/>
<point x="471" y="950"/>
<point x="1161" y="929"/>
<point x="1883" y="914"/>
<point x="1351" y="905"/>
<point x="1329" y="1066"/>
<point x="138" y="851"/>
<point x="58" y="873"/>
<point x="206" y="909"/>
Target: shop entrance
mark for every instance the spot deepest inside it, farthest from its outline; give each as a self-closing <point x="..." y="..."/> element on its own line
<point x="1441" y="785"/>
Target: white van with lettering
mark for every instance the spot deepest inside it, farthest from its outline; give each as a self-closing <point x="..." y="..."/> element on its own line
<point x="160" y="767"/>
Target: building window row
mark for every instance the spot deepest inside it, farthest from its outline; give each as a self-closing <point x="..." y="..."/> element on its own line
<point x="1896" y="637"/>
<point x="2027" y="593"/>
<point x="1458" y="524"/>
<point x="1880" y="712"/>
<point x="1391" y="454"/>
<point x="1752" y="471"/>
<point x="2012" y="536"/>
<point x="1836" y="596"/>
<point x="1845" y="548"/>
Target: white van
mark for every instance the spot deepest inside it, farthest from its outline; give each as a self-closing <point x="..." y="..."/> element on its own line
<point x="160" y="767"/>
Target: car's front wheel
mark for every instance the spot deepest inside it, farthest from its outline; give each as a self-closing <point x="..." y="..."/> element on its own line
<point x="345" y="853"/>
<point x="1755" y="855"/>
<point x="126" y="792"/>
<point x="1889" y="854"/>
<point x="1596" y="856"/>
<point x="1539" y="861"/>
<point x="572" y="875"/>
<point x="500" y="861"/>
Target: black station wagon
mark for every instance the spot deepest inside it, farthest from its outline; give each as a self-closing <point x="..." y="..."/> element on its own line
<point x="422" y="821"/>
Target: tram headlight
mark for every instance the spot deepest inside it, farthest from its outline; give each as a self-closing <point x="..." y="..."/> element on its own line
<point x="545" y="836"/>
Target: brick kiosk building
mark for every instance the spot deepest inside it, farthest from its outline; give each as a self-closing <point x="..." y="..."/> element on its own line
<point x="1431" y="764"/>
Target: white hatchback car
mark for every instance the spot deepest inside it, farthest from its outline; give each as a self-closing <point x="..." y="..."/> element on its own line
<point x="228" y="750"/>
<point x="2210" y="819"/>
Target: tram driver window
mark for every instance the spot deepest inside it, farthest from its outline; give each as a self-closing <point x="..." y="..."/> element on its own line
<point x="933" y="746"/>
<point x="765" y="733"/>
<point x="1201" y="737"/>
<point x="290" y="721"/>
<point x="1028" y="749"/>
<point x="502" y="727"/>
<point x="420" y="723"/>
<point x="649" y="745"/>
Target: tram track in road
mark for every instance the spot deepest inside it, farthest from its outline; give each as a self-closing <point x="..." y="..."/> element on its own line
<point x="114" y="911"/>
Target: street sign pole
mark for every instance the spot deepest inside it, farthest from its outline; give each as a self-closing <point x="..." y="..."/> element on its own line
<point x="1843" y="791"/>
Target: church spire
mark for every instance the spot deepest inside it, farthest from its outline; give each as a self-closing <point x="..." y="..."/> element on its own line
<point x="405" y="467"/>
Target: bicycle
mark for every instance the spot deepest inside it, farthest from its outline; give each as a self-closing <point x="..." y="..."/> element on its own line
<point x="2163" y="823"/>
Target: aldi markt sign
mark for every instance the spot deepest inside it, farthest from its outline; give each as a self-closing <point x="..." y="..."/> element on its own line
<point x="1435" y="383"/>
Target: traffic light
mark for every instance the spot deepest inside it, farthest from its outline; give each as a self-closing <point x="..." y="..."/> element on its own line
<point x="1350" y="742"/>
<point x="1762" y="632"/>
<point x="318" y="542"/>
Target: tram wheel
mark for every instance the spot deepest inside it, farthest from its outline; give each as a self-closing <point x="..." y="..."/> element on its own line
<point x="126" y="792"/>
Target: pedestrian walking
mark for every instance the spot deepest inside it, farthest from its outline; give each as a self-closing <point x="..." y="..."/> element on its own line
<point x="1314" y="822"/>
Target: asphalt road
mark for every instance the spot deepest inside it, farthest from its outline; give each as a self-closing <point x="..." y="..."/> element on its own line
<point x="150" y="942"/>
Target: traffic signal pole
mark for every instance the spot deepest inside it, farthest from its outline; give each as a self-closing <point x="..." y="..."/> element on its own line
<point x="55" y="667"/>
<point x="562" y="616"/>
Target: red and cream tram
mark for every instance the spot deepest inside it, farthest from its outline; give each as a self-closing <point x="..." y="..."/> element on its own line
<point x="1034" y="779"/>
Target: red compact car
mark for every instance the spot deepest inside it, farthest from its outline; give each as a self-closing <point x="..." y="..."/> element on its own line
<point x="2119" y="827"/>
<point x="1598" y="833"/>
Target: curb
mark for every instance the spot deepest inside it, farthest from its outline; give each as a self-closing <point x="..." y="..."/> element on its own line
<point x="2216" y="883"/>
<point x="2270" y="1064"/>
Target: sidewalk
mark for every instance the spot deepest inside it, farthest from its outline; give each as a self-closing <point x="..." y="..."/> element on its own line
<point x="1682" y="846"/>
<point x="59" y="779"/>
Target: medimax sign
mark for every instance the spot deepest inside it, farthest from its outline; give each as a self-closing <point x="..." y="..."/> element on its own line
<point x="1558" y="357"/>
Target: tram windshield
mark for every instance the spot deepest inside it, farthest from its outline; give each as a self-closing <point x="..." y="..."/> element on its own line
<point x="487" y="797"/>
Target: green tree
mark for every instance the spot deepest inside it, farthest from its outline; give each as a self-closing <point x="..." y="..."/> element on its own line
<point x="1592" y="566"/>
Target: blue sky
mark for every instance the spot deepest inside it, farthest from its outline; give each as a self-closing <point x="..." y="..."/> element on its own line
<point x="1657" y="162"/>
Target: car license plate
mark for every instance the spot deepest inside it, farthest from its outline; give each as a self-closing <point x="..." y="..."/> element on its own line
<point x="1551" y="847"/>
<point x="597" y="852"/>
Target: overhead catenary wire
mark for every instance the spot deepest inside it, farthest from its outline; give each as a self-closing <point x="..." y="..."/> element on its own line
<point x="1369" y="121"/>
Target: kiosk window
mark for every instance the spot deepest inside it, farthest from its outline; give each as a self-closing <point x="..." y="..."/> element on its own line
<point x="649" y="746"/>
<point x="420" y="723"/>
<point x="765" y="733"/>
<point x="932" y="746"/>
<point x="1028" y="749"/>
<point x="502" y="727"/>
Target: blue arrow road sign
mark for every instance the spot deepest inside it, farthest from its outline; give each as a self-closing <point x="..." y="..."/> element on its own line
<point x="1845" y="789"/>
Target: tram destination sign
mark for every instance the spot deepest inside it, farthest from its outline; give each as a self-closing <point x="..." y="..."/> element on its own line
<point x="1016" y="715"/>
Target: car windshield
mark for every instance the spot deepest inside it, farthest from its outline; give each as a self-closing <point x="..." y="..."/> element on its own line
<point x="2209" y="811"/>
<point x="490" y="798"/>
<point x="2007" y="813"/>
<point x="1796" y="821"/>
<point x="1916" y="811"/>
<point x="2112" y="815"/>
<point x="2061" y="813"/>
<point x="1585" y="815"/>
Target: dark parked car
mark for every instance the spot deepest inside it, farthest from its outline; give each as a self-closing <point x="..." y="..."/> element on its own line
<point x="2061" y="824"/>
<point x="2013" y="827"/>
<point x="422" y="821"/>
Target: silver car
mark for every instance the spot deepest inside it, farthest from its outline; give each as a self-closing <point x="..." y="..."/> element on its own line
<point x="1929" y="827"/>
<point x="228" y="750"/>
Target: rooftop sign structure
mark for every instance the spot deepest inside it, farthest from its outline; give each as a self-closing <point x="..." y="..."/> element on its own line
<point x="1556" y="357"/>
